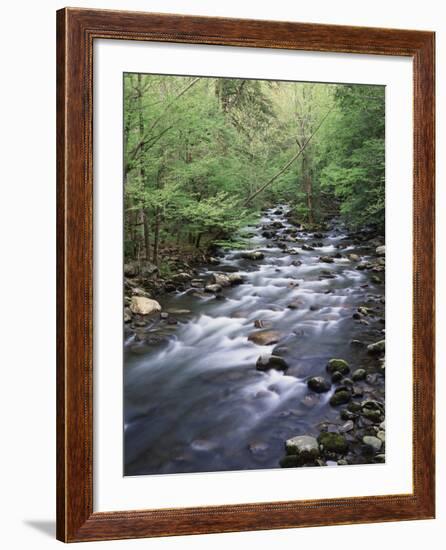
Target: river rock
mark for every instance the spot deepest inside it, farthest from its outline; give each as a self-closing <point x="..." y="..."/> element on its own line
<point x="377" y="347"/>
<point x="144" y="306"/>
<point x="319" y="384"/>
<point x="221" y="279"/>
<point x="265" y="337"/>
<point x="340" y="397"/>
<point x="359" y="374"/>
<point x="333" y="442"/>
<point x="147" y="269"/>
<point x="347" y="427"/>
<point x="289" y="461"/>
<point x="307" y="247"/>
<point x="295" y="304"/>
<point x="127" y="315"/>
<point x="267" y="362"/>
<point x="253" y="255"/>
<point x="305" y="447"/>
<point x="372" y="442"/>
<point x="130" y="270"/>
<point x="213" y="289"/>
<point x="338" y="365"/>
<point x="381" y="250"/>
<point x="235" y="278"/>
<point x="178" y="311"/>
<point x="336" y="377"/>
<point x="182" y="277"/>
<point x="354" y="257"/>
<point x="260" y="323"/>
<point x="326" y="259"/>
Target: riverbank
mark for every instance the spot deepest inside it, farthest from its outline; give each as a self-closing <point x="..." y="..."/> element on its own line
<point x="289" y="331"/>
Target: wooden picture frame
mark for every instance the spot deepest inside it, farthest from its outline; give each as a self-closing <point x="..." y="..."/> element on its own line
<point x="76" y="31"/>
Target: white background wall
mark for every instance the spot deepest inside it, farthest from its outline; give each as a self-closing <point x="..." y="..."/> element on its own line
<point x="27" y="215"/>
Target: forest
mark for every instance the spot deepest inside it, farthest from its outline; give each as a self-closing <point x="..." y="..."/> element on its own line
<point x="202" y="157"/>
<point x="254" y="288"/>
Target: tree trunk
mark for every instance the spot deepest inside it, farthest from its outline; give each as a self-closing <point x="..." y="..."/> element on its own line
<point x="142" y="174"/>
<point x="156" y="239"/>
<point x="146" y="234"/>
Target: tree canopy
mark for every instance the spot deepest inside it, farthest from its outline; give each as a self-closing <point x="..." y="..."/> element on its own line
<point x="202" y="156"/>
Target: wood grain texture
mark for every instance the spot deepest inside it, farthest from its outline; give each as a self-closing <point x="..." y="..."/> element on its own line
<point x="76" y="31"/>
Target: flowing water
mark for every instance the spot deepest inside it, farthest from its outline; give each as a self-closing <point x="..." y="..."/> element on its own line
<point x="195" y="402"/>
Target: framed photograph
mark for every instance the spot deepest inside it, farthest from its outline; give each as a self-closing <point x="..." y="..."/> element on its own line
<point x="245" y="275"/>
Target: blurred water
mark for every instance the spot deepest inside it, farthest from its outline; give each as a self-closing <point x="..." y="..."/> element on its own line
<point x="197" y="403"/>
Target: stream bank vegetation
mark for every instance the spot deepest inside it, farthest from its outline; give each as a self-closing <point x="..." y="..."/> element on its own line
<point x="223" y="177"/>
<point x="203" y="156"/>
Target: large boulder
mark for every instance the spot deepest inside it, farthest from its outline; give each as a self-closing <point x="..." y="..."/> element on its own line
<point x="265" y="337"/>
<point x="305" y="447"/>
<point x="144" y="306"/>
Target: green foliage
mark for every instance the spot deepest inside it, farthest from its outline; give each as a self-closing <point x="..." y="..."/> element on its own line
<point x="197" y="148"/>
<point x="355" y="157"/>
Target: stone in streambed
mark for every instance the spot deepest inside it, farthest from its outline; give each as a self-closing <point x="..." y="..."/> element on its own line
<point x="235" y="278"/>
<point x="307" y="247"/>
<point x="372" y="442"/>
<point x="347" y="427"/>
<point x="340" y="397"/>
<point x="336" y="377"/>
<point x="220" y="279"/>
<point x="254" y="255"/>
<point x="267" y="362"/>
<point x="381" y="250"/>
<point x="326" y="259"/>
<point x="144" y="306"/>
<point x="333" y="442"/>
<point x="319" y="384"/>
<point x="289" y="461"/>
<point x="265" y="337"/>
<point x="338" y="365"/>
<point x="213" y="288"/>
<point x="260" y="323"/>
<point x="295" y="304"/>
<point x="377" y="347"/>
<point x="358" y="374"/>
<point x="304" y="447"/>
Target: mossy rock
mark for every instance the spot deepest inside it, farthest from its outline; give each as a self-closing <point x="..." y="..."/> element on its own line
<point x="340" y="398"/>
<point x="289" y="461"/>
<point x="333" y="442"/>
<point x="338" y="365"/>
